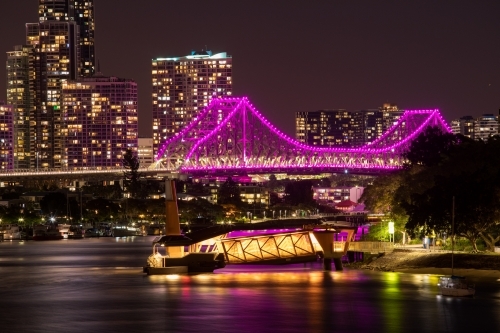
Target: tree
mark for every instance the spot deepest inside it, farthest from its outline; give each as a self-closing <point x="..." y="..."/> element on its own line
<point x="298" y="192"/>
<point x="273" y="182"/>
<point x="101" y="209"/>
<point x="131" y="175"/>
<point x="470" y="174"/>
<point x="430" y="146"/>
<point x="54" y="204"/>
<point x="379" y="197"/>
<point x="229" y="193"/>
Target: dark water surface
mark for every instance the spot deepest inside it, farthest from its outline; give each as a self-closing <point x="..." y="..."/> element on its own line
<point x="97" y="285"/>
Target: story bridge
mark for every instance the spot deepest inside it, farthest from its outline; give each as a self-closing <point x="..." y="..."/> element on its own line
<point x="230" y="135"/>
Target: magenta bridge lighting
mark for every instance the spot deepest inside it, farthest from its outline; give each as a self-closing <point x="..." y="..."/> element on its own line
<point x="230" y="135"/>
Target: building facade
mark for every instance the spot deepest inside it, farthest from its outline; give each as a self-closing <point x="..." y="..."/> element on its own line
<point x="55" y="60"/>
<point x="99" y="122"/>
<point x="464" y="126"/>
<point x="329" y="128"/>
<point x="324" y="128"/>
<point x="485" y="126"/>
<point x="480" y="128"/>
<point x="334" y="195"/>
<point x="367" y="125"/>
<point x="82" y="13"/>
<point x="6" y="137"/>
<point x="183" y="86"/>
<point x="145" y="151"/>
<point x="19" y="95"/>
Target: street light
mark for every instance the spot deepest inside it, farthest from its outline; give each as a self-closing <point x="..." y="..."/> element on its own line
<point x="273" y="214"/>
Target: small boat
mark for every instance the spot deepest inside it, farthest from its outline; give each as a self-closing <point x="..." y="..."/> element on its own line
<point x="124" y="231"/>
<point x="93" y="232"/>
<point x="10" y="232"/>
<point x="454" y="285"/>
<point x="43" y="232"/>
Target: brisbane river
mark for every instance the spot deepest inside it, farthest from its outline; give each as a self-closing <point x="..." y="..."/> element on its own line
<point x="97" y="285"/>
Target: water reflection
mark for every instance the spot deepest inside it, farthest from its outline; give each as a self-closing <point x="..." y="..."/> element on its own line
<point x="99" y="286"/>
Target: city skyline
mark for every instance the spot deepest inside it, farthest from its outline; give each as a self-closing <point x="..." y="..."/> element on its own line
<point x="294" y="56"/>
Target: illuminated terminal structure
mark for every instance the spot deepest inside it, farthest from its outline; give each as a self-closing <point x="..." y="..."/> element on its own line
<point x="99" y="121"/>
<point x="183" y="86"/>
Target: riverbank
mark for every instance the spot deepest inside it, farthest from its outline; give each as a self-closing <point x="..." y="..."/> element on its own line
<point x="425" y="262"/>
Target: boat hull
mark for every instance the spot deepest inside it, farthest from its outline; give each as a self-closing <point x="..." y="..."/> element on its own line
<point x="458" y="292"/>
<point x="456" y="286"/>
<point x="43" y="238"/>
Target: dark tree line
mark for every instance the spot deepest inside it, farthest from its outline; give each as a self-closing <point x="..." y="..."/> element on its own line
<point x="442" y="168"/>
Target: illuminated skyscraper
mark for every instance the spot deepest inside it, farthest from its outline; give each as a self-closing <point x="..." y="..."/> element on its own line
<point x="99" y="122"/>
<point x="367" y="125"/>
<point x="82" y="13"/>
<point x="55" y="60"/>
<point x="183" y="86"/>
<point x="20" y="97"/>
<point x="324" y="128"/>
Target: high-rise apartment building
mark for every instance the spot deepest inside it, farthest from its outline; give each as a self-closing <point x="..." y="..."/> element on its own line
<point x="99" y="122"/>
<point x="464" y="126"/>
<point x="324" y="128"/>
<point x="6" y="132"/>
<point x="367" y="125"/>
<point x="390" y="115"/>
<point x="82" y="13"/>
<point x="55" y="60"/>
<point x="19" y="95"/>
<point x="485" y="126"/>
<point x="183" y="86"/>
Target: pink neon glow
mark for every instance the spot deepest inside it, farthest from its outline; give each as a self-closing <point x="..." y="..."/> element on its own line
<point x="304" y="151"/>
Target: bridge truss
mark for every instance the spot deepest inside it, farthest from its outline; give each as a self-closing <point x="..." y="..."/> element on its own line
<point x="231" y="135"/>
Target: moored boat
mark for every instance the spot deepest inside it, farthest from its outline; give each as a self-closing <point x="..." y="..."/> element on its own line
<point x="456" y="286"/>
<point x="44" y="232"/>
<point x="10" y="231"/>
<point x="124" y="231"/>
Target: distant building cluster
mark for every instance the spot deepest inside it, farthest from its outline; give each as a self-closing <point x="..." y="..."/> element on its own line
<point x="65" y="113"/>
<point x="329" y="128"/>
<point x="480" y="128"/>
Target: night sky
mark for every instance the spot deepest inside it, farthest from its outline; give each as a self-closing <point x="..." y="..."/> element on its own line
<point x="305" y="55"/>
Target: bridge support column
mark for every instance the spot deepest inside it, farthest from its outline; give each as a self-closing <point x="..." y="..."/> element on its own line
<point x="327" y="264"/>
<point x="338" y="264"/>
